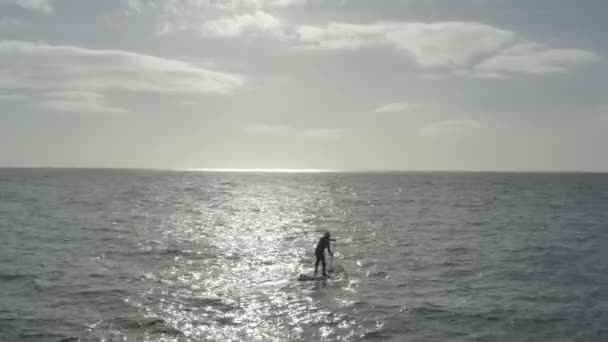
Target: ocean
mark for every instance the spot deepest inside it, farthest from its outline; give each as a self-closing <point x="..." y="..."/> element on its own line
<point x="135" y="255"/>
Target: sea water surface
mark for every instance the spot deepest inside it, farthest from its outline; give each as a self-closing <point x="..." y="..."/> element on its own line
<point x="128" y="255"/>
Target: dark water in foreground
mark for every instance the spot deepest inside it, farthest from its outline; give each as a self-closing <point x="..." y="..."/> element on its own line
<point x="111" y="255"/>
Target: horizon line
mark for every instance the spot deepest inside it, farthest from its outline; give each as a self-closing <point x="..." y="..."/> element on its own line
<point x="294" y="170"/>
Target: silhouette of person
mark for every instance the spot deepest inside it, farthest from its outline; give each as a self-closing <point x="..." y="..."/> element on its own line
<point x="319" y="251"/>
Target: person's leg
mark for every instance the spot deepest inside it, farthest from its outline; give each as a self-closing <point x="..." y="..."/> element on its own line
<point x="317" y="264"/>
<point x="323" y="261"/>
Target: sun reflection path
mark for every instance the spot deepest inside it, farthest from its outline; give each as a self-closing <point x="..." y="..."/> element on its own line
<point x="238" y="251"/>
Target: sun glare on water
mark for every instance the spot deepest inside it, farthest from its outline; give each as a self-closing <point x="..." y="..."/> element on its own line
<point x="262" y="170"/>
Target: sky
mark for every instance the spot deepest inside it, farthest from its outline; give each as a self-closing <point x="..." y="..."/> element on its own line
<point x="511" y="85"/>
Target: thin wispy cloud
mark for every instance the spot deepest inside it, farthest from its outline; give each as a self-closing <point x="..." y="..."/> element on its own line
<point x="12" y="97"/>
<point x="80" y="102"/>
<point x="532" y="58"/>
<point x="43" y="66"/>
<point x="395" y="107"/>
<point x="43" y="6"/>
<point x="289" y="131"/>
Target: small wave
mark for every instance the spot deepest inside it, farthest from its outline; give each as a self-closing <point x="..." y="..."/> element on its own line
<point x="448" y="263"/>
<point x="159" y="252"/>
<point x="537" y="320"/>
<point x="212" y="303"/>
<point x="458" y="249"/>
<point x="69" y="339"/>
<point x="41" y="337"/>
<point x="377" y="274"/>
<point x="150" y="324"/>
<point x="428" y="312"/>
<point x="55" y="274"/>
<point x="103" y="294"/>
<point x="374" y="335"/>
<point x="361" y="305"/>
<point x="173" y="251"/>
<point x="365" y="263"/>
<point x="15" y="277"/>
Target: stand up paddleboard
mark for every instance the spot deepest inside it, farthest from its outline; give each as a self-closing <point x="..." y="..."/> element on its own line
<point x="306" y="277"/>
<point x="332" y="272"/>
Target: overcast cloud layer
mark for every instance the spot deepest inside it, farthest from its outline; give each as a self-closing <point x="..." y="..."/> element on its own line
<point x="305" y="84"/>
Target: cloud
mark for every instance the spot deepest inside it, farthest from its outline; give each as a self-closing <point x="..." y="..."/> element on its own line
<point x="460" y="48"/>
<point x="81" y="102"/>
<point x="449" y="126"/>
<point x="322" y="133"/>
<point x="430" y="44"/>
<point x="534" y="58"/>
<point x="219" y="18"/>
<point x="44" y="6"/>
<point x="465" y="48"/>
<point x="339" y="36"/>
<point x="393" y="107"/>
<point x="457" y="48"/>
<point x="187" y="8"/>
<point x="447" y="44"/>
<point x="314" y="133"/>
<point x="49" y="67"/>
<point x="258" y="23"/>
<point x="136" y="5"/>
<point x="236" y="5"/>
<point x="12" y="97"/>
<point x="286" y="3"/>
